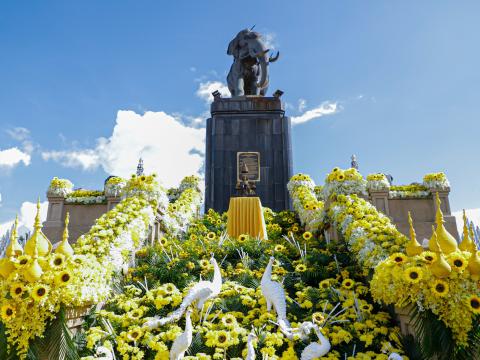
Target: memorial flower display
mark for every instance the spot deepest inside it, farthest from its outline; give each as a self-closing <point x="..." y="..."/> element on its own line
<point x="305" y="201"/>
<point x="436" y="181"/>
<point x="59" y="187"/>
<point x="85" y="197"/>
<point x="114" y="186"/>
<point x="345" y="182"/>
<point x="377" y="182"/>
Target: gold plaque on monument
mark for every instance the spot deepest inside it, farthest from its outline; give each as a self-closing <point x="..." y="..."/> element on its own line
<point x="252" y="160"/>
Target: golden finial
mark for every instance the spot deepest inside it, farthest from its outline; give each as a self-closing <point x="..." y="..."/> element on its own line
<point x="472" y="235"/>
<point x="446" y="241"/>
<point x="433" y="243"/>
<point x="34" y="271"/>
<point x="440" y="268"/>
<point x="413" y="247"/>
<point x="65" y="248"/>
<point x="38" y="240"/>
<point x="467" y="243"/>
<point x="14" y="248"/>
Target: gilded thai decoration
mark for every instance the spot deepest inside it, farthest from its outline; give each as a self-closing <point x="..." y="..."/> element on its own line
<point x="413" y="247"/>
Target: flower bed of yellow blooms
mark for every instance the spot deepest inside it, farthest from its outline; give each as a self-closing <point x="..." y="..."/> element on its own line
<point x="320" y="287"/>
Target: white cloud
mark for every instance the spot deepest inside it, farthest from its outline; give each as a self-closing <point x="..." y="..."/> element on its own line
<point x="19" y="133"/>
<point x="13" y="156"/>
<point x="326" y="108"/>
<point x="302" y="105"/>
<point x="26" y="217"/>
<point x="269" y="39"/>
<point x="86" y="159"/>
<point x="473" y="215"/>
<point x="205" y="90"/>
<point x="168" y="147"/>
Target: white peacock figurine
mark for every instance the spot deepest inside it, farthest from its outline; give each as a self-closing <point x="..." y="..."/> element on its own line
<point x="275" y="295"/>
<point x="199" y="293"/>
<point x="315" y="349"/>
<point x="184" y="340"/>
<point x="104" y="353"/>
<point x="250" y="349"/>
<point x="395" y="356"/>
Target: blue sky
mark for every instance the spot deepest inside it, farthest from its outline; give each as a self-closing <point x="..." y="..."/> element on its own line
<point x="402" y="76"/>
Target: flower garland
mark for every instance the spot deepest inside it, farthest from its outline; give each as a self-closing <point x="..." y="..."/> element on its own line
<point x="376" y="182"/>
<point x="409" y="191"/>
<point x="59" y="187"/>
<point x="370" y="234"/>
<point x="85" y="197"/>
<point x="305" y="202"/>
<point x="436" y="181"/>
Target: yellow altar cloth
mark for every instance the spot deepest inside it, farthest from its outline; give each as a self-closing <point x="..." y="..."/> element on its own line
<point x="245" y="216"/>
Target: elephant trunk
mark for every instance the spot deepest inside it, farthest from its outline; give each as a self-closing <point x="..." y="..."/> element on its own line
<point x="263" y="83"/>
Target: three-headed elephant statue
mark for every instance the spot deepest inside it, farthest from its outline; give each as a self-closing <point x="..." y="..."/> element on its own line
<point x="248" y="74"/>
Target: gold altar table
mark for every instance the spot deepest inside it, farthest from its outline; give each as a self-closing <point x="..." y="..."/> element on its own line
<point x="245" y="216"/>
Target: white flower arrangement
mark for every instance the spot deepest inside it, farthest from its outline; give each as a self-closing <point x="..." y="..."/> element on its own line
<point x="344" y="182"/>
<point x="305" y="202"/>
<point x="59" y="187"/>
<point x="86" y="200"/>
<point x="376" y="182"/>
<point x="114" y="186"/>
<point x="436" y="181"/>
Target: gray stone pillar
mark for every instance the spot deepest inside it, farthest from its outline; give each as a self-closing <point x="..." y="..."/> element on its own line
<point x="112" y="201"/>
<point x="379" y="199"/>
<point x="248" y="124"/>
<point x="53" y="225"/>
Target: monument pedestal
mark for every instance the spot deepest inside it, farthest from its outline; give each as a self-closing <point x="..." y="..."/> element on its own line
<point x="251" y="124"/>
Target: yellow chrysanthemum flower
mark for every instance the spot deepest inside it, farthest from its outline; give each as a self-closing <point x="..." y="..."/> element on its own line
<point x="229" y="320"/>
<point x="39" y="292"/>
<point x="413" y="274"/>
<point x="318" y="318"/>
<point x="135" y="334"/>
<point x="440" y="288"/>
<point x="324" y="284"/>
<point x="7" y="312"/>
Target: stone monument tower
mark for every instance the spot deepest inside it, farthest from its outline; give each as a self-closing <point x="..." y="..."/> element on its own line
<point x="248" y="131"/>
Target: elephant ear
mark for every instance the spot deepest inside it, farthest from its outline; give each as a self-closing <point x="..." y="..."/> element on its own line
<point x="233" y="47"/>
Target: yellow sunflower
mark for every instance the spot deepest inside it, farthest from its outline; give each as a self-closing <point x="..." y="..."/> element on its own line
<point x="457" y="262"/>
<point x="136" y="314"/>
<point x="366" y="307"/>
<point x="428" y="256"/>
<point x="279" y="248"/>
<point x="324" y="284"/>
<point x="307" y="235"/>
<point x="163" y="241"/>
<point x="193" y="237"/>
<point x="340" y="177"/>
<point x="348" y="283"/>
<point x="39" y="292"/>
<point x="229" y="320"/>
<point x="57" y="261"/>
<point x="440" y="288"/>
<point x="301" y="268"/>
<point x="8" y="312"/>
<point x="398" y="258"/>
<point x="17" y="290"/>
<point x="318" y="318"/>
<point x="222" y="339"/>
<point x="413" y="274"/>
<point x="23" y="261"/>
<point x="474" y="304"/>
<point x="242" y="238"/>
<point x="63" y="278"/>
<point x="211" y="236"/>
<point x="294" y="228"/>
<point x="204" y="263"/>
<point x="135" y="334"/>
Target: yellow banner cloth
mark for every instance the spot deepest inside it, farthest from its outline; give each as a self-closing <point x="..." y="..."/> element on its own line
<point x="245" y="216"/>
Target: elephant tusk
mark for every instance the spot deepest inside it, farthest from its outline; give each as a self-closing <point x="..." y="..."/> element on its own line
<point x="274" y="58"/>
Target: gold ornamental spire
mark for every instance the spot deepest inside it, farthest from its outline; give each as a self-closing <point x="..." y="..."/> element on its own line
<point x="14" y="248"/>
<point x="38" y="241"/>
<point x="34" y="271"/>
<point x="433" y="243"/>
<point x="440" y="268"/>
<point x="65" y="248"/>
<point x="413" y="247"/>
<point x="446" y="241"/>
<point x="467" y="243"/>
